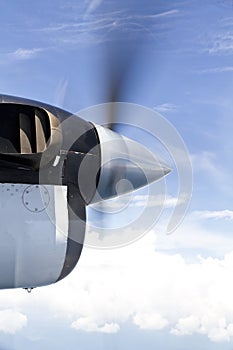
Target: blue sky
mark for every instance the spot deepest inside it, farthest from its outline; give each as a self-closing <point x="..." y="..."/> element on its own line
<point x="180" y="63"/>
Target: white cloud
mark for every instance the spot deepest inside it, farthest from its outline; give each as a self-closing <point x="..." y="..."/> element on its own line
<point x="60" y="92"/>
<point x="153" y="201"/>
<point x="205" y="161"/>
<point x="87" y="325"/>
<point x="138" y="284"/>
<point x="181" y="297"/>
<point x="92" y="27"/>
<point x="136" y="200"/>
<point x="150" y="321"/>
<point x="164" y="14"/>
<point x="11" y="321"/>
<point x="25" y="54"/>
<point x="123" y="220"/>
<point x="186" y="325"/>
<point x="222" y="43"/>
<point x="195" y="236"/>
<point x="215" y="214"/>
<point x="208" y="163"/>
<point x="213" y="169"/>
<point x="166" y="107"/>
<point x="217" y="70"/>
<point x="93" y="5"/>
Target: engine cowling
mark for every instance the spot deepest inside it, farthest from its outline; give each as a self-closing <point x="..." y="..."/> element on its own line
<point x="52" y="165"/>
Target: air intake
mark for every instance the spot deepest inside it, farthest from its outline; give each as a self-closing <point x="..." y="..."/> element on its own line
<point x="24" y="129"/>
<point x="27" y="132"/>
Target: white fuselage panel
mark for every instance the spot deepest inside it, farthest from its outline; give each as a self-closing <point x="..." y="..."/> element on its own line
<point x="33" y="233"/>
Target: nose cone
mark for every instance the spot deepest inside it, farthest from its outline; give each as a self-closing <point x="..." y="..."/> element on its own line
<point x="125" y="165"/>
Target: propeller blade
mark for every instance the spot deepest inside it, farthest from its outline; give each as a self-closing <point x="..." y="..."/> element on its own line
<point x="121" y="51"/>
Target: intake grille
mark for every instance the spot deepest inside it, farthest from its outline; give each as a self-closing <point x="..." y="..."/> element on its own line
<point x="23" y="129"/>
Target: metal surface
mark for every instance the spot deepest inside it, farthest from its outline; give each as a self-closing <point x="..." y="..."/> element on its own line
<point x="33" y="248"/>
<point x="125" y="165"/>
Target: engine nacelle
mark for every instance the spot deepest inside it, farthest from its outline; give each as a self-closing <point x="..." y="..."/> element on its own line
<point x="52" y="165"/>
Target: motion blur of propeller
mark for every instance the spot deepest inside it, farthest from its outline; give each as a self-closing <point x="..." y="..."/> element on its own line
<point x="120" y="51"/>
<point x="120" y="59"/>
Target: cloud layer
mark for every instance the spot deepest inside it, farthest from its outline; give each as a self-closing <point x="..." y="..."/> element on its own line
<point x="12" y="321"/>
<point x="137" y="284"/>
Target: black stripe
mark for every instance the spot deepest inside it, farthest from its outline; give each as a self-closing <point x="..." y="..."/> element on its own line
<point x="76" y="230"/>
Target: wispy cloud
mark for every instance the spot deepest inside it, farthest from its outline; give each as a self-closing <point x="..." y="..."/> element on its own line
<point x="222" y="44"/>
<point x="220" y="39"/>
<point x="223" y="69"/>
<point x="25" y="54"/>
<point x="128" y="201"/>
<point x="217" y="38"/>
<point x="61" y="92"/>
<point x="164" y="14"/>
<point x="166" y="107"/>
<point x="216" y="215"/>
<point x="91" y="26"/>
<point x="92" y="6"/>
<point x="208" y="163"/>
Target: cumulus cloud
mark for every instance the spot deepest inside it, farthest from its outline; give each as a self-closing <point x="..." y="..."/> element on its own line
<point x="184" y="298"/>
<point x="150" y="321"/>
<point x="88" y="325"/>
<point x="186" y="325"/>
<point x="150" y="288"/>
<point x="12" y="321"/>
